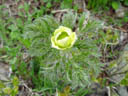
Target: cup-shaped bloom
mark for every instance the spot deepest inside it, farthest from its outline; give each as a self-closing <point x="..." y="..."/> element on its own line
<point x="63" y="38"/>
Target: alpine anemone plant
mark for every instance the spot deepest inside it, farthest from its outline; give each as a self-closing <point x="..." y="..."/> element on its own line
<point x="65" y="57"/>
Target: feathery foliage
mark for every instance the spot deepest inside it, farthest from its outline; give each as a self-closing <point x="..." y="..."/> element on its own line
<point x="75" y="66"/>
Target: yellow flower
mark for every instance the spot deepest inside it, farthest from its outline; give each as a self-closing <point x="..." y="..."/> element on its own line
<point x="63" y="38"/>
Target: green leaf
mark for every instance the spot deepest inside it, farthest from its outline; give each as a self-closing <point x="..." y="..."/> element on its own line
<point x="65" y="92"/>
<point x="7" y="90"/>
<point x="26" y="7"/>
<point x="66" y="4"/>
<point x="35" y="65"/>
<point x="2" y="85"/>
<point x="49" y="5"/>
<point x="13" y="62"/>
<point x="20" y="7"/>
<point x="125" y="19"/>
<point x="13" y="27"/>
<point x="81" y="21"/>
<point x="115" y="5"/>
<point x="126" y="2"/>
<point x="15" y="35"/>
<point x="15" y="81"/>
<point x="45" y="1"/>
<point x="125" y="80"/>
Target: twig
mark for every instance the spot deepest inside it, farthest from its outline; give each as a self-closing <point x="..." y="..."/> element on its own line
<point x="60" y="11"/>
<point x="109" y="92"/>
<point x="119" y="73"/>
<point x="1" y="41"/>
<point x="30" y="90"/>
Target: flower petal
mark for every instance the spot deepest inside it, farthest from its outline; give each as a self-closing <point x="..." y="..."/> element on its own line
<point x="73" y="38"/>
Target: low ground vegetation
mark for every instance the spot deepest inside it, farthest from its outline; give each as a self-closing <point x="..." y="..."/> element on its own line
<point x="54" y="48"/>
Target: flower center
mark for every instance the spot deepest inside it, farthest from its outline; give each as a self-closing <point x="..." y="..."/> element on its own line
<point x="62" y="35"/>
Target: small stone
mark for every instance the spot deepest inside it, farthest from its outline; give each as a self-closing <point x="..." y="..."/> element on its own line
<point x="120" y="13"/>
<point x="122" y="91"/>
<point x="4" y="72"/>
